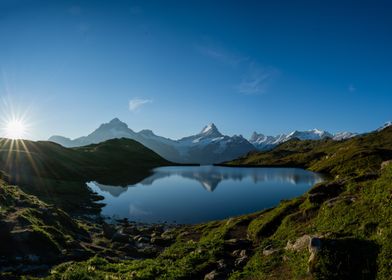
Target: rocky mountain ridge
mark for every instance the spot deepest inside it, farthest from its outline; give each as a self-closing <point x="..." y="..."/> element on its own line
<point x="206" y="147"/>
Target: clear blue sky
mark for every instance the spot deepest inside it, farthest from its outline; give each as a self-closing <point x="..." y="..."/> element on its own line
<point x="174" y="66"/>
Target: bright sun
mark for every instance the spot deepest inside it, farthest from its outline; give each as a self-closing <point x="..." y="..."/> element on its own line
<point x="15" y="129"/>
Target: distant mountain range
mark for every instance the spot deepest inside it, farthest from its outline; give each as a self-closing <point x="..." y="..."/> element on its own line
<point x="263" y="143"/>
<point x="206" y="147"/>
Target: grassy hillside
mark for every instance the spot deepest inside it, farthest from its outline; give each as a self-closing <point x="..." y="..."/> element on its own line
<point x="57" y="175"/>
<point x="340" y="229"/>
<point x="49" y="160"/>
<point x="353" y="157"/>
<point x="33" y="232"/>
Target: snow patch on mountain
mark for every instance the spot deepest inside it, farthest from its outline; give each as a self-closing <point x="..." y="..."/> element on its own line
<point x="314" y="134"/>
<point x="385" y="125"/>
<point x="263" y="142"/>
<point x="344" y="135"/>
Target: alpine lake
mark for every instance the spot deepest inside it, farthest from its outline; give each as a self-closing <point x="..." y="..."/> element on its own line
<point x="193" y="194"/>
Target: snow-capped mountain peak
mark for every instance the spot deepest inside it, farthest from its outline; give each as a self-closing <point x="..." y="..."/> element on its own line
<point x="209" y="133"/>
<point x="263" y="142"/>
<point x="314" y="134"/>
<point x="210" y="130"/>
<point x="206" y="147"/>
<point x="318" y="131"/>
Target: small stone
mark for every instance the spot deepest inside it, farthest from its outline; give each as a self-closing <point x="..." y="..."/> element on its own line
<point x="222" y="264"/>
<point x="212" y="275"/>
<point x="237" y="243"/>
<point x="243" y="253"/>
<point x="143" y="239"/>
<point x="240" y="261"/>
<point x="269" y="250"/>
<point x="184" y="233"/>
<point x="136" y="237"/>
<point x="385" y="164"/>
<point x="236" y="253"/>
<point x="299" y="244"/>
<point x="232" y="241"/>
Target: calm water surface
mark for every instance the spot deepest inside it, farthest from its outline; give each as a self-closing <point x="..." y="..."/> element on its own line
<point x="203" y="193"/>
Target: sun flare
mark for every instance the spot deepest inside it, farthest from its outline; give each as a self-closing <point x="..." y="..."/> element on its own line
<point x="15" y="129"/>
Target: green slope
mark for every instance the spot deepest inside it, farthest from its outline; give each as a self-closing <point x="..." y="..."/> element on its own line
<point x="353" y="157"/>
<point x="57" y="175"/>
<point x="32" y="231"/>
<point x="340" y="229"/>
<point x="49" y="160"/>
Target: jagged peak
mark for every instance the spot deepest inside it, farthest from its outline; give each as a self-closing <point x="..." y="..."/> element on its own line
<point x="256" y="136"/>
<point x="210" y="129"/>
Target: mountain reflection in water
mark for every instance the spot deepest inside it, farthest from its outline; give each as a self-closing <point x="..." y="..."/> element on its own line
<point x="173" y="194"/>
<point x="210" y="177"/>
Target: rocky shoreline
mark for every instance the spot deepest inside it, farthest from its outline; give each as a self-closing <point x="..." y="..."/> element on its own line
<point x="37" y="236"/>
<point x="133" y="240"/>
<point x="117" y="241"/>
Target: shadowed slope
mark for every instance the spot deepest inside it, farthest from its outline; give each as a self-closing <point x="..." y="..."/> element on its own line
<point x="57" y="175"/>
<point x="21" y="159"/>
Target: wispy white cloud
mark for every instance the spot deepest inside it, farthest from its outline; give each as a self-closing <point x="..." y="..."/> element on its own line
<point x="220" y="54"/>
<point x="136" y="103"/>
<point x="351" y="88"/>
<point x="256" y="79"/>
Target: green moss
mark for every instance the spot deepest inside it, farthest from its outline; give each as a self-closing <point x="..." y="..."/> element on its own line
<point x="266" y="224"/>
<point x="259" y="267"/>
